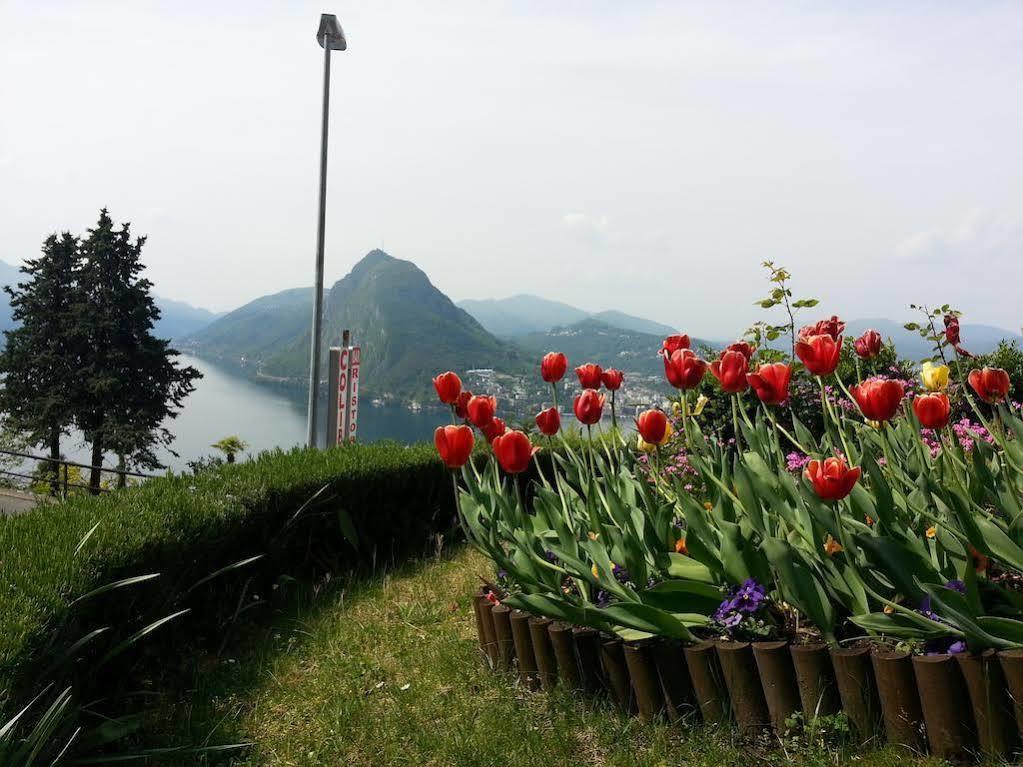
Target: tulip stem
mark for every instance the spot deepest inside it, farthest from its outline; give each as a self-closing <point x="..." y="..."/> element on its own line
<point x="683" y="402"/>
<point x="735" y="423"/>
<point x="554" y="388"/>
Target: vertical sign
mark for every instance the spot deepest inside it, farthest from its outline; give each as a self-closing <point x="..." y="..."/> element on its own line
<point x="341" y="395"/>
<point x="352" y="420"/>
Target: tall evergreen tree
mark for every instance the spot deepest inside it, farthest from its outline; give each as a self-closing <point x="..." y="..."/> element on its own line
<point x="130" y="382"/>
<point x="40" y="359"/>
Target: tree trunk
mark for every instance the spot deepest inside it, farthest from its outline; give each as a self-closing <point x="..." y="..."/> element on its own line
<point x="54" y="465"/>
<point x="230" y="457"/>
<point x="97" y="461"/>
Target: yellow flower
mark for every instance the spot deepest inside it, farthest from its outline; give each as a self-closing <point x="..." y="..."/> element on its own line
<point x="935" y="377"/>
<point x="932" y="531"/>
<point x="645" y="446"/>
<point x="701" y="403"/>
<point x="676" y="408"/>
<point x="595" y="571"/>
<point x="593" y="536"/>
<point x="889" y="609"/>
<point x="831" y="546"/>
<point x="873" y="424"/>
<point x="680" y="546"/>
<point x="708" y="505"/>
<point x="668" y="431"/>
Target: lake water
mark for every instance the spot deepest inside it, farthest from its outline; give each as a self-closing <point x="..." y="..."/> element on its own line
<point x="226" y="403"/>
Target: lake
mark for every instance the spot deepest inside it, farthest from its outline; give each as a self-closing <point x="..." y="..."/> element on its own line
<point x="226" y="403"/>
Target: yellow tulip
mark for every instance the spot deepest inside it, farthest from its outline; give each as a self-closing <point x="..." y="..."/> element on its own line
<point x="645" y="446"/>
<point x="595" y="571"/>
<point x="932" y="531"/>
<point x="701" y="403"/>
<point x="935" y="377"/>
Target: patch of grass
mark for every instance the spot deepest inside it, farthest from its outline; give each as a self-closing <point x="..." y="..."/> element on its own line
<point x="388" y="672"/>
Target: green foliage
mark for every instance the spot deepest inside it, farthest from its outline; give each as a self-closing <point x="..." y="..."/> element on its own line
<point x="128" y="383"/>
<point x="230" y="446"/>
<point x="763" y="333"/>
<point x="282" y="507"/>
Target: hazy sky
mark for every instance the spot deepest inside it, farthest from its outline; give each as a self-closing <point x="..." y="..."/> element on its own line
<point x="637" y="155"/>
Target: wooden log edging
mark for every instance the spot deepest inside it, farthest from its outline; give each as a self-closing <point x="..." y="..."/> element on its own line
<point x="957" y="706"/>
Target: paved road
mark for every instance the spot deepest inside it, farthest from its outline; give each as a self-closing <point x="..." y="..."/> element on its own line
<point x="18" y="501"/>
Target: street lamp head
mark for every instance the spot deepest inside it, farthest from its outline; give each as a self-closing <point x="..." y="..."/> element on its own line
<point x="330" y="33"/>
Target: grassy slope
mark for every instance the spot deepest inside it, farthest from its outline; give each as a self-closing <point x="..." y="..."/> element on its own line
<point x="387" y="672"/>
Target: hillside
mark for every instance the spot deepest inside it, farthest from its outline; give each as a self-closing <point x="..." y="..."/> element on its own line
<point x="179" y="319"/>
<point x="518" y="315"/>
<point x="594" y="341"/>
<point x="409" y="329"/>
<point x="522" y="315"/>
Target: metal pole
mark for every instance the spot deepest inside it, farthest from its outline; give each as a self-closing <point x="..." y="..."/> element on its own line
<point x="314" y="355"/>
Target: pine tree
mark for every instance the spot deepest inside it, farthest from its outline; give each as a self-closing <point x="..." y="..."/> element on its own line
<point x="40" y="359"/>
<point x="130" y="382"/>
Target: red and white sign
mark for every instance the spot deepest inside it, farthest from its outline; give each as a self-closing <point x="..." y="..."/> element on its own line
<point x="352" y="418"/>
<point x="342" y="396"/>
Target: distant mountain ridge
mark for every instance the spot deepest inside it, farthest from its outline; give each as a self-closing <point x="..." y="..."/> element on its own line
<point x="177" y="318"/>
<point x="524" y="314"/>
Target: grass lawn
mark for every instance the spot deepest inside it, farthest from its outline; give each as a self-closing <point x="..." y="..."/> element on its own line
<point x="387" y="672"/>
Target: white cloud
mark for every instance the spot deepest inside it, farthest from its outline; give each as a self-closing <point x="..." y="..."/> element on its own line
<point x="980" y="236"/>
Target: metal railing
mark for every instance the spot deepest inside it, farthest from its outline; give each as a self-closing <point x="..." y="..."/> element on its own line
<point x="60" y="483"/>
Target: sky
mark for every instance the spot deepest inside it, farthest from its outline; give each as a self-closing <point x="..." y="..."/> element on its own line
<point x="642" y="156"/>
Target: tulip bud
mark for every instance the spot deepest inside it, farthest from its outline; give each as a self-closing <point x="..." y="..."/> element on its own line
<point x="673" y="344"/>
<point x="991" y="384"/>
<point x="879" y="398"/>
<point x="612" y="379"/>
<point x="868" y="345"/>
<point x="494" y="429"/>
<point x="454" y="444"/>
<point x="935" y="377"/>
<point x="683" y="369"/>
<point x="932" y="410"/>
<point x="481" y="409"/>
<point x="548" y="421"/>
<point x="832" y="479"/>
<point x="553" y="367"/>
<point x="820" y="353"/>
<point x="653" y="426"/>
<point x="730" y="370"/>
<point x="589" y="407"/>
<point x="448" y="386"/>
<point x="589" y="375"/>
<point x="771" y="383"/>
<point x="513" y="451"/>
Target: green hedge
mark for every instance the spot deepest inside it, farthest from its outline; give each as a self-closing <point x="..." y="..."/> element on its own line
<point x="188" y="527"/>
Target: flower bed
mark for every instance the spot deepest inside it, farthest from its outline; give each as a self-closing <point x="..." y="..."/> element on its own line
<point x="882" y="551"/>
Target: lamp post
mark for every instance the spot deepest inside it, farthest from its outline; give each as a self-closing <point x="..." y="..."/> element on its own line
<point x="331" y="37"/>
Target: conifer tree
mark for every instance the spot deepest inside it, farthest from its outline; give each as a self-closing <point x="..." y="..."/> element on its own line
<point x="40" y="359"/>
<point x="130" y="383"/>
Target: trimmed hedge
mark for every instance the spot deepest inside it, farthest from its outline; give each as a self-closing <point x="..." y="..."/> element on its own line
<point x="290" y="508"/>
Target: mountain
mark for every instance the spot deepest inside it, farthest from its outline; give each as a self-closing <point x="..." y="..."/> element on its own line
<point x="635" y="324"/>
<point x="179" y="319"/>
<point x="978" y="339"/>
<point x="522" y="314"/>
<point x="408" y="328"/>
<point x="525" y="314"/>
<point x="256" y="330"/>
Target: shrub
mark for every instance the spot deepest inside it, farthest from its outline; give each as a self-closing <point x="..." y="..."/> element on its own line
<point x="293" y="510"/>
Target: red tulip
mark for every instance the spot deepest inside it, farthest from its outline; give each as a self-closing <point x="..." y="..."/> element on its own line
<point x="514" y="450"/>
<point x="730" y="370"/>
<point x="454" y="444"/>
<point x="952" y="329"/>
<point x="612" y="379"/>
<point x="771" y="382"/>
<point x="589" y="375"/>
<point x="932" y="410"/>
<point x="448" y="386"/>
<point x="832" y="480"/>
<point x="462" y="404"/>
<point x="588" y="407"/>
<point x="879" y="398"/>
<point x="673" y="344"/>
<point x="494" y="429"/>
<point x="745" y="348"/>
<point x="652" y="425"/>
<point x="830" y="327"/>
<point x="481" y="409"/>
<point x="548" y="421"/>
<point x="991" y="384"/>
<point x="868" y="345"/>
<point x="820" y="353"/>
<point x="683" y="369"/>
<point x="553" y="367"/>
